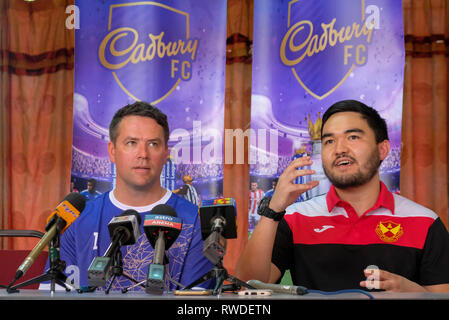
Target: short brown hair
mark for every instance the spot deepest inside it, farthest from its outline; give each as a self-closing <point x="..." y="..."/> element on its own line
<point x="138" y="108"/>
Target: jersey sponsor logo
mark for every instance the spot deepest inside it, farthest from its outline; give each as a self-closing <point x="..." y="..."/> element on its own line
<point x="323" y="228"/>
<point x="389" y="231"/>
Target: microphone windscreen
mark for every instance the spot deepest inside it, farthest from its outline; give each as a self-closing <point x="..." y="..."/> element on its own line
<point x="132" y="212"/>
<point x="165" y="210"/>
<point x="76" y="200"/>
<point x="162" y="218"/>
<point x="68" y="210"/>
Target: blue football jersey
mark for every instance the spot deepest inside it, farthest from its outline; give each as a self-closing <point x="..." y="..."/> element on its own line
<point x="88" y="237"/>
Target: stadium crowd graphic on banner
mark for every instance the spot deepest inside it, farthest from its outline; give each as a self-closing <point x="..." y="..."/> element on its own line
<point x="307" y="55"/>
<point x="170" y="54"/>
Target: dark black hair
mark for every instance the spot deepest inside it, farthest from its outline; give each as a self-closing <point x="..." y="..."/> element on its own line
<point x="138" y="108"/>
<point x="93" y="182"/>
<point x="375" y="121"/>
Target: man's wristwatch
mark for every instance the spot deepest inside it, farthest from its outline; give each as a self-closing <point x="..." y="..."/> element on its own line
<point x="265" y="211"/>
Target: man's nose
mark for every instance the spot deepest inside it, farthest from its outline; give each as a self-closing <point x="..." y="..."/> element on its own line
<point x="142" y="151"/>
<point x="341" y="146"/>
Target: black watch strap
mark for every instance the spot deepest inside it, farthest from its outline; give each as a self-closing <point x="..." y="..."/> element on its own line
<point x="264" y="210"/>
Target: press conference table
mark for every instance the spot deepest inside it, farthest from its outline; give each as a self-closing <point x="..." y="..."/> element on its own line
<point x="140" y="295"/>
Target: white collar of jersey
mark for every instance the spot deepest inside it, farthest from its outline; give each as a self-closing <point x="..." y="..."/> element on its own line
<point x="146" y="208"/>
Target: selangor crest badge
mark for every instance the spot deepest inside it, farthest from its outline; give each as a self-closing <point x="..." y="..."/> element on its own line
<point x="389" y="231"/>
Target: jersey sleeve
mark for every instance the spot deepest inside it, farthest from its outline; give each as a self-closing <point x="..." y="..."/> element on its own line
<point x="434" y="267"/>
<point x="283" y="247"/>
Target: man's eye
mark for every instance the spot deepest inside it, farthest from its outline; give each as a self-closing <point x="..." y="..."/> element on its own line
<point x="353" y="137"/>
<point x="328" y="141"/>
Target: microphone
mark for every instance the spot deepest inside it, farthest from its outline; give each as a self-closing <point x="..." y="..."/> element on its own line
<point x="219" y="215"/>
<point x="127" y="225"/>
<point x="162" y="227"/>
<point x="59" y="220"/>
<point x="295" y="290"/>
<point x="123" y="230"/>
<point x="218" y="223"/>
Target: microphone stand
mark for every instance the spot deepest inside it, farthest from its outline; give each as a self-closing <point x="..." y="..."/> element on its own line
<point x="219" y="273"/>
<point x="117" y="269"/>
<point x="57" y="266"/>
<point x="214" y="249"/>
<point x="167" y="274"/>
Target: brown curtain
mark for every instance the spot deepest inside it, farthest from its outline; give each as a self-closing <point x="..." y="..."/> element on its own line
<point x="424" y="160"/>
<point x="238" y="116"/>
<point x="36" y="93"/>
<point x="37" y="56"/>
<point x="4" y="127"/>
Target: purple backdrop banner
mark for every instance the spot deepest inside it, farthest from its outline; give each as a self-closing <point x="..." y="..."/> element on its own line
<point x="309" y="54"/>
<point x="169" y="53"/>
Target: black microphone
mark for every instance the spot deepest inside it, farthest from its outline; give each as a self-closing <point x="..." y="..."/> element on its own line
<point x="295" y="290"/>
<point x="126" y="225"/>
<point x="59" y="220"/>
<point x="219" y="215"/>
<point x="218" y="223"/>
<point x="124" y="230"/>
<point x="162" y="227"/>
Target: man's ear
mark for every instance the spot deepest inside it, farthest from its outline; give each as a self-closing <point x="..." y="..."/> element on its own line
<point x="384" y="149"/>
<point x="111" y="151"/>
<point x="167" y="152"/>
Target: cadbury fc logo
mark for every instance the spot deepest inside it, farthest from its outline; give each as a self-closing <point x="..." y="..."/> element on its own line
<point x="328" y="47"/>
<point x="150" y="52"/>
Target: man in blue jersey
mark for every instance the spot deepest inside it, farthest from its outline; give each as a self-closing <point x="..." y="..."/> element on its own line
<point x="270" y="192"/>
<point x="138" y="147"/>
<point x="90" y="193"/>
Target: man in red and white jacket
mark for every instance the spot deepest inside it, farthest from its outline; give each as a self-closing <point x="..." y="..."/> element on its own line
<point x="359" y="234"/>
<point x="255" y="195"/>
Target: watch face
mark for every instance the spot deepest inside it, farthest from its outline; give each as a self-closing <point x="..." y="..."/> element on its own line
<point x="264" y="210"/>
<point x="263" y="204"/>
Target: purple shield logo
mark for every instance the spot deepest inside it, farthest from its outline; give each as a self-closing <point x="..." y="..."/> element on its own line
<point x="324" y="43"/>
<point x="147" y="49"/>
